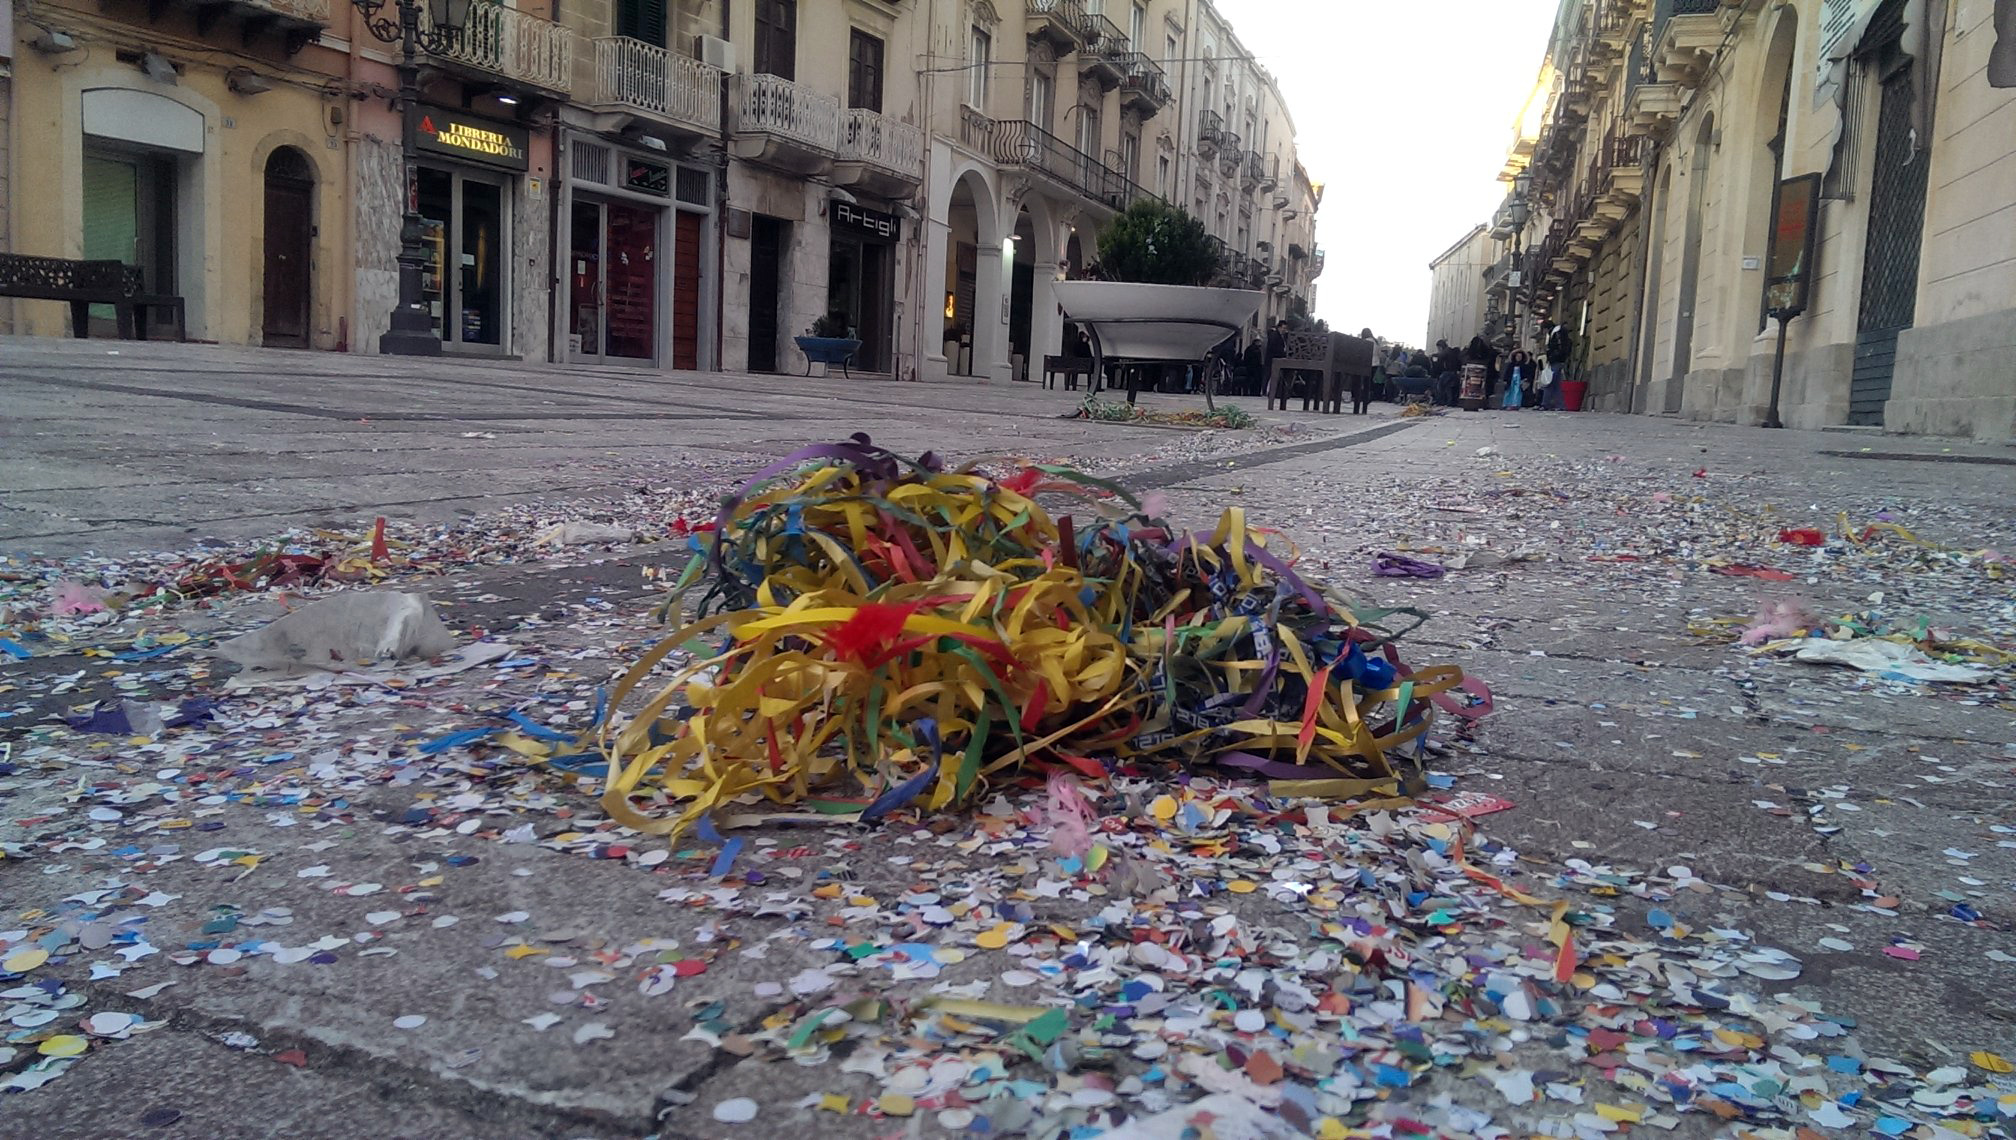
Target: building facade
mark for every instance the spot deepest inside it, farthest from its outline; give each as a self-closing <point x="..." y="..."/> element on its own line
<point x="1652" y="172"/>
<point x="671" y="184"/>
<point x="1456" y="298"/>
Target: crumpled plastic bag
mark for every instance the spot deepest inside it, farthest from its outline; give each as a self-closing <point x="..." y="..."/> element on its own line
<point x="1888" y="659"/>
<point x="579" y="533"/>
<point x="355" y="630"/>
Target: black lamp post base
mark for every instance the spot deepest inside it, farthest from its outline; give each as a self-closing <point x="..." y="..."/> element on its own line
<point x="406" y="342"/>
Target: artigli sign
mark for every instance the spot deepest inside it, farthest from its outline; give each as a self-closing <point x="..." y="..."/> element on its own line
<point x="466" y="137"/>
<point x="859" y="219"/>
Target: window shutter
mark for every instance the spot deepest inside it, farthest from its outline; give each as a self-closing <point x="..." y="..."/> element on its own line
<point x="642" y="20"/>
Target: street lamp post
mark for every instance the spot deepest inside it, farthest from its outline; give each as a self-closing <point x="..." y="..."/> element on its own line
<point x="412" y="330"/>
<point x="1520" y="213"/>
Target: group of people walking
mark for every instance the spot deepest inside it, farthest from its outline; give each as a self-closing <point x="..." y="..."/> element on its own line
<point x="1512" y="381"/>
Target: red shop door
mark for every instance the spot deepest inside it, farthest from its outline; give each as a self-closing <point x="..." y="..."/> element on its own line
<point x="686" y="292"/>
<point x="630" y="269"/>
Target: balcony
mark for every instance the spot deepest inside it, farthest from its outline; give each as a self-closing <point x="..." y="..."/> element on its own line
<point x="1621" y="170"/>
<point x="878" y="155"/>
<point x="1017" y="144"/>
<point x="1104" y="56"/>
<point x="1270" y="177"/>
<point x="640" y="83"/>
<point x="1316" y="265"/>
<point x="1256" y="273"/>
<point x="523" y="49"/>
<point x="298" y="22"/>
<point x="1685" y="37"/>
<point x="786" y="126"/>
<point x="1256" y="169"/>
<point x="1060" y="23"/>
<point x="1144" y="87"/>
<point x="1210" y="133"/>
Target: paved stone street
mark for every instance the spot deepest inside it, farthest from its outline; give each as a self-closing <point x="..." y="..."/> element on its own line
<point x="1865" y="826"/>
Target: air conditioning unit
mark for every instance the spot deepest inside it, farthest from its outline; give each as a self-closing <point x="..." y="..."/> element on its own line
<point x="714" y="52"/>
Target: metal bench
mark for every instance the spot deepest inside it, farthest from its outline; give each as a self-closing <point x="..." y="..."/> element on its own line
<point x="86" y="283"/>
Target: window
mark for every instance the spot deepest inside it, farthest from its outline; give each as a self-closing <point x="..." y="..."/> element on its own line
<point x="1130" y="157"/>
<point x="1137" y="27"/>
<point x="641" y="20"/>
<point x="777" y="38"/>
<point x="1089" y="129"/>
<point x="864" y="71"/>
<point x="1041" y="99"/>
<point x="981" y="59"/>
<point x="1162" y="175"/>
<point x="1170" y="50"/>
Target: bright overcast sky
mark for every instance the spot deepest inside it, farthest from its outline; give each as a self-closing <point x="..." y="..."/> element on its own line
<point x="1403" y="110"/>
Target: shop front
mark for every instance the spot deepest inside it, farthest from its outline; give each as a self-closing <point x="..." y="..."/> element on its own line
<point x="464" y="184"/>
<point x="861" y="278"/>
<point x="635" y="231"/>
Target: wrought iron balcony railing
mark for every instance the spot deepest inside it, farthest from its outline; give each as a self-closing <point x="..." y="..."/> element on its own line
<point x="870" y="137"/>
<point x="513" y="44"/>
<point x="633" y="74"/>
<point x="776" y="106"/>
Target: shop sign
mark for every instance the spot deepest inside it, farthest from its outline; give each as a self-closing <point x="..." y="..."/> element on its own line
<point x="457" y="135"/>
<point x="860" y="219"/>
<point x="647" y="177"/>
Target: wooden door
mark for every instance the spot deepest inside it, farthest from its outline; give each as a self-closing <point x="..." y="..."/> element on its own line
<point x="290" y="205"/>
<point x="630" y="274"/>
<point x="766" y="277"/>
<point x="686" y="290"/>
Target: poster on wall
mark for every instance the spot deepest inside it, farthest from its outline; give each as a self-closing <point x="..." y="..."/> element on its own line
<point x="1795" y="232"/>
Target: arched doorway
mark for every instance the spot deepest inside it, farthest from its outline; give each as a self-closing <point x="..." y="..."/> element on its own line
<point x="1022" y="296"/>
<point x="289" y="230"/>
<point x="1690" y="266"/>
<point x="972" y="279"/>
<point x="1896" y="234"/>
<point x="1774" y="114"/>
<point x="1655" y="258"/>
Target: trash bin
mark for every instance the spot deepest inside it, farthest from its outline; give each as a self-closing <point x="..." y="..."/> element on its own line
<point x="1473" y="387"/>
<point x="1573" y="392"/>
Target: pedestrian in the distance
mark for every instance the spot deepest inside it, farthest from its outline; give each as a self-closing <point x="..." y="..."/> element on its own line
<point x="1560" y="349"/>
<point x="1362" y="383"/>
<point x="1448" y="366"/>
<point x="1480" y="353"/>
<point x="1277" y="346"/>
<point x="1518" y="376"/>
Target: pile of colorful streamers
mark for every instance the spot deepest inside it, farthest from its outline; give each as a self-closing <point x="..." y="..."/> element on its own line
<point x="877" y="633"/>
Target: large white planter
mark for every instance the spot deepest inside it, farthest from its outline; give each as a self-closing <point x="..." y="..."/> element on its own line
<point x="1144" y="322"/>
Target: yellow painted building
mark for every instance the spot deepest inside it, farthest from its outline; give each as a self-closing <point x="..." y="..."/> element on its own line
<point x="203" y="146"/>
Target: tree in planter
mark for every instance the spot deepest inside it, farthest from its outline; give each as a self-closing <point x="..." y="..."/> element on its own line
<point x="1154" y="243"/>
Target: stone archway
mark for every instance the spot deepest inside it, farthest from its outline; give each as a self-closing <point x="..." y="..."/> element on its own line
<point x="964" y="310"/>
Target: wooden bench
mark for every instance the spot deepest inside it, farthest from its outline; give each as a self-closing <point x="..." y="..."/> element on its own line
<point x="1070" y="368"/>
<point x="86" y="283"/>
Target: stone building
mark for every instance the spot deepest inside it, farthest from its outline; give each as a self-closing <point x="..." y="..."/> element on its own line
<point x="665" y="184"/>
<point x="1457" y="302"/>
<point x="1667" y="129"/>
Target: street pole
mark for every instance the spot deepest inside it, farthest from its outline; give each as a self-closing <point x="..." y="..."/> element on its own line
<point x="1771" y="419"/>
<point x="412" y="329"/>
